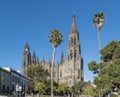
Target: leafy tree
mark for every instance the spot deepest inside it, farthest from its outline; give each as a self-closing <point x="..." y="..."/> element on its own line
<point x="108" y="70"/>
<point x="111" y="51"/>
<point x="55" y="40"/>
<point x="63" y="88"/>
<point x="40" y="87"/>
<point x="47" y="87"/>
<point x="93" y="67"/>
<point x="90" y="89"/>
<point x="36" y="73"/>
<point x="78" y="87"/>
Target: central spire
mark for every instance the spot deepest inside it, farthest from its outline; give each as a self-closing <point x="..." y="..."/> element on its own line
<point x="74" y="28"/>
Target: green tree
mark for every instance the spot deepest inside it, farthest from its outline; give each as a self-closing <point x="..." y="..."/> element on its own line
<point x="36" y="73"/>
<point x="48" y="87"/>
<point x="78" y="87"/>
<point x="90" y="89"/>
<point x="63" y="88"/>
<point x="40" y="87"/>
<point x="108" y="70"/>
<point x="55" y="40"/>
<point x="111" y="51"/>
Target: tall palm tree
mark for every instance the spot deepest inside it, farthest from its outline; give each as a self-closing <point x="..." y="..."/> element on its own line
<point x="55" y="40"/>
<point x="98" y="21"/>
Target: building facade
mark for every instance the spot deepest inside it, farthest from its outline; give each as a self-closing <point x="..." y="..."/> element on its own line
<point x="69" y="69"/>
<point x="9" y="79"/>
<point x="5" y="81"/>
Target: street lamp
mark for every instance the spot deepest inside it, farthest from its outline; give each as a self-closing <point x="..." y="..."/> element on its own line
<point x="18" y="90"/>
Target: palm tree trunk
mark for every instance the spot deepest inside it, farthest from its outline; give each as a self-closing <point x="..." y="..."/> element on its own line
<point x="53" y="57"/>
<point x="99" y="43"/>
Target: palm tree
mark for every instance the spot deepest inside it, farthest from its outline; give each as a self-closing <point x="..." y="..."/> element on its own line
<point x="98" y="21"/>
<point x="55" y="40"/>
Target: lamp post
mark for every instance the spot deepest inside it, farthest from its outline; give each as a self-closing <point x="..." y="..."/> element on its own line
<point x="18" y="90"/>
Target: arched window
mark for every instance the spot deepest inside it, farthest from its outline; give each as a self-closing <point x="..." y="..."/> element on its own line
<point x="74" y="41"/>
<point x="71" y="41"/>
<point x="71" y="54"/>
<point x="75" y="54"/>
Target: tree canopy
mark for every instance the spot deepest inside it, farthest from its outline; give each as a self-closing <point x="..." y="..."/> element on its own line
<point x="40" y="87"/>
<point x="108" y="69"/>
<point x="55" y="37"/>
<point x="98" y="20"/>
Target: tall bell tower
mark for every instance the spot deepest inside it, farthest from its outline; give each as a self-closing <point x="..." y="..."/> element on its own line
<point x="74" y="53"/>
<point x="26" y="59"/>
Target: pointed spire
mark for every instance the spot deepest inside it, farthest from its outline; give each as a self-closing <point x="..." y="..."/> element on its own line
<point x="34" y="58"/>
<point x="26" y="46"/>
<point x="74" y="28"/>
<point x="62" y="58"/>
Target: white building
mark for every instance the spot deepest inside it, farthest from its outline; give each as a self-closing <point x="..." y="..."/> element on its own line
<point x="17" y="79"/>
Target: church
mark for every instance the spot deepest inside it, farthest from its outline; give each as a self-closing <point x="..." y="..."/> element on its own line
<point x="69" y="69"/>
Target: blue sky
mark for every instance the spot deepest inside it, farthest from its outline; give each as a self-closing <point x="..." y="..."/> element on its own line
<point x="32" y="21"/>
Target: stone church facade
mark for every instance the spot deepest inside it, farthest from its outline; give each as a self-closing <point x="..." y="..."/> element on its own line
<point x="69" y="69"/>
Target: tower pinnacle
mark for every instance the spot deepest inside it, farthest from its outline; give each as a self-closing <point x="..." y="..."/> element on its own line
<point x="74" y="28"/>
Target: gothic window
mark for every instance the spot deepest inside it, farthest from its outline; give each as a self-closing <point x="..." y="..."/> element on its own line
<point x="75" y="54"/>
<point x="75" y="41"/>
<point x="71" y="41"/>
<point x="71" y="54"/>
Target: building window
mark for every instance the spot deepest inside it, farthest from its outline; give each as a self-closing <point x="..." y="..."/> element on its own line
<point x="71" y="41"/>
<point x="75" y="54"/>
<point x="71" y="54"/>
<point x="18" y="80"/>
<point x="13" y="78"/>
<point x="3" y="87"/>
<point x="8" y="88"/>
<point x="75" y="41"/>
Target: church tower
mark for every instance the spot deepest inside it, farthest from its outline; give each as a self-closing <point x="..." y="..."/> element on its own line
<point x="34" y="59"/>
<point x="74" y="58"/>
<point x="26" y="59"/>
<point x="62" y="58"/>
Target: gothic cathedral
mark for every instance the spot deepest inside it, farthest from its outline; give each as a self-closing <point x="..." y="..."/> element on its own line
<point x="69" y="69"/>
